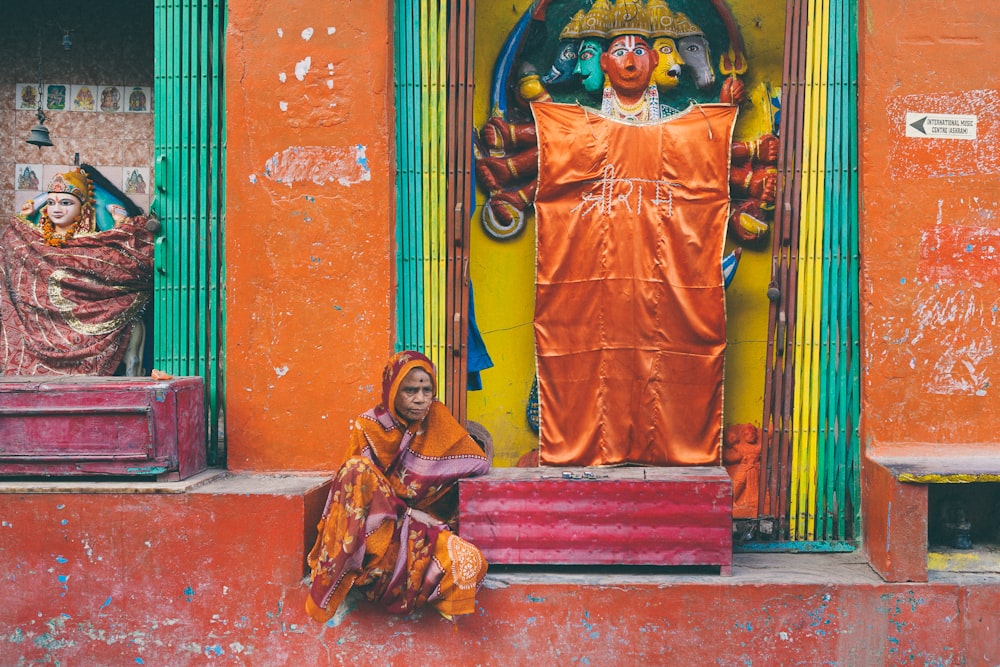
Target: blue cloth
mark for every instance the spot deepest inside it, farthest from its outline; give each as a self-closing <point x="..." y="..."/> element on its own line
<point x="479" y="358"/>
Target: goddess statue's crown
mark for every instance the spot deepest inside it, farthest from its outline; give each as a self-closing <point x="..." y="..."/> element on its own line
<point x="596" y="21"/>
<point x="661" y="19"/>
<point x="684" y="27"/>
<point x="629" y="17"/>
<point x="573" y="28"/>
<point x="74" y="183"/>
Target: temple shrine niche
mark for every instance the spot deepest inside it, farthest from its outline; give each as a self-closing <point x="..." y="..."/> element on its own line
<point x="639" y="67"/>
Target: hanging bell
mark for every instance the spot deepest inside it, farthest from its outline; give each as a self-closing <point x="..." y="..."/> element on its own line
<point x="39" y="136"/>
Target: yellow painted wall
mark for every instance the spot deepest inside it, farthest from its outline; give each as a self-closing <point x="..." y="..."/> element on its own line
<point x="503" y="272"/>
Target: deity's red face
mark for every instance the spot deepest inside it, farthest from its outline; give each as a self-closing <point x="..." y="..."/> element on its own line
<point x="414" y="396"/>
<point x="629" y="63"/>
<point x="63" y="209"/>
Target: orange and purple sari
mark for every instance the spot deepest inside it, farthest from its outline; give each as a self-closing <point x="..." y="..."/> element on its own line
<point x="387" y="526"/>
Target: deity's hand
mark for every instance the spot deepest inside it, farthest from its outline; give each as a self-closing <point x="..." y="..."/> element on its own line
<point x="733" y="91"/>
<point x="117" y="213"/>
<point x="767" y="149"/>
<point x="749" y="223"/>
<point x="759" y="183"/>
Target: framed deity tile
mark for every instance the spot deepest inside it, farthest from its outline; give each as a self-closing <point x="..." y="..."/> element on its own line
<point x="28" y="97"/>
<point x="139" y="99"/>
<point x="28" y="177"/>
<point x="83" y="97"/>
<point x="135" y="181"/>
<point x="111" y="98"/>
<point x="56" y="96"/>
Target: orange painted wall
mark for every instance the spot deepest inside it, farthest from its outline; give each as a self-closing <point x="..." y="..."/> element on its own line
<point x="930" y="227"/>
<point x="309" y="226"/>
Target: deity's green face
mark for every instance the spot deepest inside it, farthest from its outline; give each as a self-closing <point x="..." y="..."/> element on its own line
<point x="588" y="65"/>
<point x="667" y="72"/>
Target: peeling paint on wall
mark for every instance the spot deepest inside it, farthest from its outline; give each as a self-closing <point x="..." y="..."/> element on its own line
<point x="948" y="341"/>
<point x="951" y="254"/>
<point x="321" y="165"/>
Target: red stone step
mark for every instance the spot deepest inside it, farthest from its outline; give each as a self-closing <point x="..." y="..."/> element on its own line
<point x="600" y="516"/>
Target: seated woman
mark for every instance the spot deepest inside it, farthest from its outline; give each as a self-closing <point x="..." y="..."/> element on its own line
<point x="70" y="293"/>
<point x="397" y="491"/>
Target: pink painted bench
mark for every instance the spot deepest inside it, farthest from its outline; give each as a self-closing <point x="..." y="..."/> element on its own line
<point x="87" y="425"/>
<point x="600" y="516"/>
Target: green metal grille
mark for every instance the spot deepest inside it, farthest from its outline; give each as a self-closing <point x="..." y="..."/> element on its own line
<point x="189" y="172"/>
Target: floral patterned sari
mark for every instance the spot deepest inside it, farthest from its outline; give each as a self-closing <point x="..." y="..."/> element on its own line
<point x="387" y="526"/>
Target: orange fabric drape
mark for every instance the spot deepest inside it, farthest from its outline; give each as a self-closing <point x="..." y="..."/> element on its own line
<point x="630" y="326"/>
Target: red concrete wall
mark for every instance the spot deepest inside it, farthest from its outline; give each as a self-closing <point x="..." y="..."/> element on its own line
<point x="930" y="226"/>
<point x="309" y="226"/>
<point x="214" y="576"/>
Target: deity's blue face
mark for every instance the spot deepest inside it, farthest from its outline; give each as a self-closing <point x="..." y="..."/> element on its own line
<point x="565" y="62"/>
<point x="588" y="65"/>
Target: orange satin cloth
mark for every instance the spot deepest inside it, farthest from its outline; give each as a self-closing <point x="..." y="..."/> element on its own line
<point x="630" y="319"/>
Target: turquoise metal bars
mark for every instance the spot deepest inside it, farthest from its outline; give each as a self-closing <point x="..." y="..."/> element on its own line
<point x="409" y="185"/>
<point x="189" y="172"/>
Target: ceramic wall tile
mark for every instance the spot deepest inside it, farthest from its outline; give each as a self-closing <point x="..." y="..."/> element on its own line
<point x="29" y="177"/>
<point x="139" y="99"/>
<point x="28" y="97"/>
<point x="83" y="97"/>
<point x="56" y="96"/>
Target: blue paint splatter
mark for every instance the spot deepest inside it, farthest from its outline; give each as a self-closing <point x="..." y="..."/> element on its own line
<point x="589" y="627"/>
<point x="63" y="522"/>
<point x="140" y="661"/>
<point x="532" y="598"/>
<point x="217" y="650"/>
<point x="63" y="578"/>
<point x="969" y="247"/>
<point x="61" y="559"/>
<point x="189" y="593"/>
<point x="59" y="507"/>
<point x="902" y="281"/>
<point x="106" y="602"/>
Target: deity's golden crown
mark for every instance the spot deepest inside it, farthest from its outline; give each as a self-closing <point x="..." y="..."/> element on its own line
<point x="684" y="27"/>
<point x="661" y="19"/>
<point x="573" y="28"/>
<point x="652" y="18"/>
<point x="595" y="22"/>
<point x="629" y="17"/>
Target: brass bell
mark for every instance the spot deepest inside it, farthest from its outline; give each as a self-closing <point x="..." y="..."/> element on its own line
<point x="39" y="134"/>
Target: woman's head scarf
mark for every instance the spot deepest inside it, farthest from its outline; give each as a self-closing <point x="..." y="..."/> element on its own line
<point x="396" y="369"/>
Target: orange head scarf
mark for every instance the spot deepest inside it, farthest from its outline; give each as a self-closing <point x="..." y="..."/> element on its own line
<point x="395" y="370"/>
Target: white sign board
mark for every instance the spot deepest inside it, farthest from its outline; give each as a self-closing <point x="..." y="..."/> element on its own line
<point x="940" y="125"/>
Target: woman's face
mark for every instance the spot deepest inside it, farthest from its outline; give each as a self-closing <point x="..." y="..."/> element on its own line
<point x="414" y="396"/>
<point x="63" y="209"/>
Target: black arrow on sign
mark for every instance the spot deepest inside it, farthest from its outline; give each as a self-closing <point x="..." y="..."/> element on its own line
<point x="918" y="125"/>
